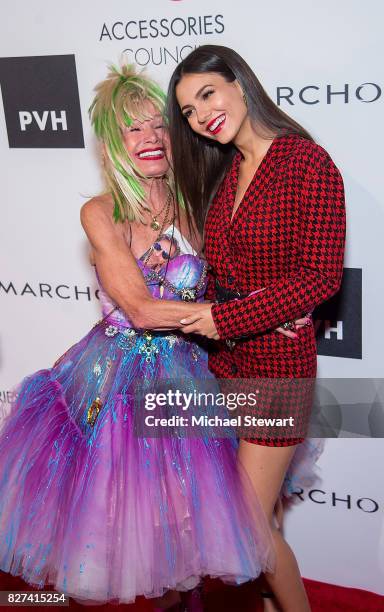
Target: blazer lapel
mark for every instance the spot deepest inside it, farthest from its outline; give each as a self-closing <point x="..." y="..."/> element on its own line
<point x="271" y="166"/>
<point x="225" y="232"/>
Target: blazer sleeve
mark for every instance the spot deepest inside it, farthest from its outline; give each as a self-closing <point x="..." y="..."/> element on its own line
<point x="210" y="292"/>
<point x="320" y="268"/>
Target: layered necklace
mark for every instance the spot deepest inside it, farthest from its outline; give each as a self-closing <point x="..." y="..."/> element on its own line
<point x="155" y="225"/>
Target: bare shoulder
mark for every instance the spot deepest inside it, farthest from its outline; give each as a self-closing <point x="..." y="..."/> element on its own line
<point x="99" y="225"/>
<point x="97" y="210"/>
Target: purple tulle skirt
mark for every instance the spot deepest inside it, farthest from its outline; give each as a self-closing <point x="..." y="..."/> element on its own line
<point x="101" y="513"/>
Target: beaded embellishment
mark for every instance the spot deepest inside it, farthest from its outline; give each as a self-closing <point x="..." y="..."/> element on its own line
<point x="111" y="331"/>
<point x="188" y="294"/>
<point x="93" y="411"/>
<point x="148" y="349"/>
<point x="127" y="339"/>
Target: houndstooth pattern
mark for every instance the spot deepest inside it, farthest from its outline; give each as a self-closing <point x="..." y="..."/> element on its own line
<point x="288" y="237"/>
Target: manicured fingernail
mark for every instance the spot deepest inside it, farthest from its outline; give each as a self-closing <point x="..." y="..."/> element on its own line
<point x="182" y="321"/>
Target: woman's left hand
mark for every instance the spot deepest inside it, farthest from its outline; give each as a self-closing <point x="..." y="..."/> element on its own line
<point x="201" y="323"/>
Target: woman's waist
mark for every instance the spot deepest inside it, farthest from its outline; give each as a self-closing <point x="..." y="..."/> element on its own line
<point x="115" y="316"/>
<point x="245" y="280"/>
<point x="122" y="329"/>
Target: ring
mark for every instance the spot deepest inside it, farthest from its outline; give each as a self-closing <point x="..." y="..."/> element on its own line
<point x="289" y="325"/>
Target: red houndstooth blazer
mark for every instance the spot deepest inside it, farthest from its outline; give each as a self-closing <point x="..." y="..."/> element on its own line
<point x="287" y="236"/>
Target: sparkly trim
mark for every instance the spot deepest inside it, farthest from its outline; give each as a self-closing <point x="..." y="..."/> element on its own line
<point x="111" y="331"/>
<point x="187" y="294"/>
<point x="127" y="338"/>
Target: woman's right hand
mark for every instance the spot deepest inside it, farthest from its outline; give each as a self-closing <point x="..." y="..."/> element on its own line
<point x="299" y="323"/>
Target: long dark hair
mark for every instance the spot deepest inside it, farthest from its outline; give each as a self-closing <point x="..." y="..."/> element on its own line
<point x="200" y="164"/>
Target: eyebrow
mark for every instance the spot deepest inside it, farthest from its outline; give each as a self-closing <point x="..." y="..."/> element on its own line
<point x="197" y="95"/>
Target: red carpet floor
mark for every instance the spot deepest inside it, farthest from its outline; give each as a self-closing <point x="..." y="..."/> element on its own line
<point x="219" y="598"/>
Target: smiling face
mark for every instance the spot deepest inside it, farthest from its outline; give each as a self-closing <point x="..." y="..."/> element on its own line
<point x="147" y="143"/>
<point x="213" y="107"/>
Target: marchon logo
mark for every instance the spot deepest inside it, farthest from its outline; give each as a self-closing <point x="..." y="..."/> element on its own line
<point x="45" y="290"/>
<point x="41" y="102"/>
<point x="137" y="30"/>
<point x="347" y="501"/>
<point x="328" y="94"/>
<point x="338" y="322"/>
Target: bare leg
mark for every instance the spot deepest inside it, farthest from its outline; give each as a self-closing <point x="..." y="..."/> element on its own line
<point x="266" y="467"/>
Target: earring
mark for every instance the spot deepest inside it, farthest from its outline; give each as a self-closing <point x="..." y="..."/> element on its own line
<point x="245" y="100"/>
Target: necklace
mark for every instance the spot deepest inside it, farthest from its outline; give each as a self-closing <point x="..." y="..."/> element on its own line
<point x="155" y="225"/>
<point x="187" y="294"/>
<point x="147" y="255"/>
<point x="150" y="251"/>
<point x="159" y="227"/>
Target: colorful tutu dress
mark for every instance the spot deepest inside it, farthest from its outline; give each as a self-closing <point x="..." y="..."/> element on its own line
<point x="101" y="513"/>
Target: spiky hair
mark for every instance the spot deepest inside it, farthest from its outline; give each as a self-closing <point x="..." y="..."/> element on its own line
<point x="119" y="100"/>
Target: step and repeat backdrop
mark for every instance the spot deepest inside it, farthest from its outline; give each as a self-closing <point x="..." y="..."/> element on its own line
<point x="321" y="63"/>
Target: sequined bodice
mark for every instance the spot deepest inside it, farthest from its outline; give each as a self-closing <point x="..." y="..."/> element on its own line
<point x="183" y="278"/>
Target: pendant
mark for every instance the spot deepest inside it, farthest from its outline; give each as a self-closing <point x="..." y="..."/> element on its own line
<point x="188" y="295"/>
<point x="161" y="290"/>
<point x="155" y="225"/>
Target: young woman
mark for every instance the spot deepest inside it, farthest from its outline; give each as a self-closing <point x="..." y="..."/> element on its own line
<point x="272" y="204"/>
<point x="87" y="504"/>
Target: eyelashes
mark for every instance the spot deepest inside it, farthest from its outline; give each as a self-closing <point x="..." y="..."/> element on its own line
<point x="204" y="97"/>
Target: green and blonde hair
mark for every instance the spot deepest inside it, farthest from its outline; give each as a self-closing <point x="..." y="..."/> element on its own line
<point x="119" y="100"/>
